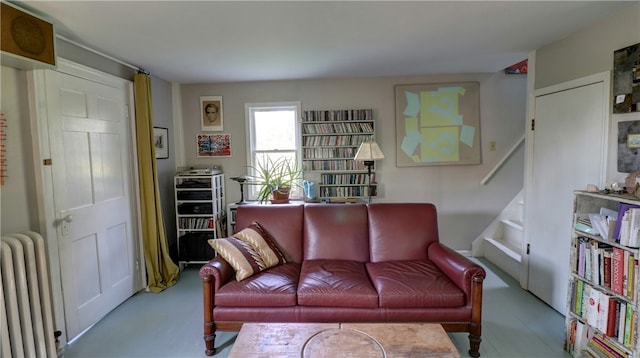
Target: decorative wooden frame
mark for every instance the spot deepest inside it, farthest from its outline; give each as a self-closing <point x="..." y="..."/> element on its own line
<point x="161" y="142"/>
<point x="211" y="104"/>
<point x="438" y="124"/>
<point x="633" y="141"/>
<point x="213" y="145"/>
<point x="27" y="42"/>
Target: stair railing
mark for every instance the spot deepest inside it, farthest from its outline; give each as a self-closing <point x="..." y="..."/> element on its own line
<point x="502" y="161"/>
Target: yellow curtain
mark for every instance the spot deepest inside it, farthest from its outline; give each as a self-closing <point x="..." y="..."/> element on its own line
<point x="162" y="272"/>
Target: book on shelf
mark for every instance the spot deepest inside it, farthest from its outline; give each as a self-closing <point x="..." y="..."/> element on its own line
<point x="577" y="337"/>
<point x="622" y="314"/>
<point x="622" y="230"/>
<point x="603" y="348"/>
<point x="629" y="323"/>
<point x="617" y="266"/>
<point x="592" y="306"/>
<point x="634" y="227"/>
<point x="604" y="312"/>
<point x="602" y="224"/>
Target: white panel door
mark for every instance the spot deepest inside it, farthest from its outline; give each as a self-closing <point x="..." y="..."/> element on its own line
<point x="568" y="153"/>
<point x="89" y="137"/>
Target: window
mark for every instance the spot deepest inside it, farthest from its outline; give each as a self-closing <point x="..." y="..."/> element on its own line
<point x="274" y="133"/>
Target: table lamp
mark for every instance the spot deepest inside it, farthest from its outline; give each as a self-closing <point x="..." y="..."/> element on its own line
<point x="368" y="153"/>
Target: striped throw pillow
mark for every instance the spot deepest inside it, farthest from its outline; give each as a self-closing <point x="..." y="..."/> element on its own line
<point x="249" y="251"/>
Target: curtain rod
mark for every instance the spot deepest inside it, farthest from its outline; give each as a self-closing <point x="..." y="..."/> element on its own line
<point x="139" y="69"/>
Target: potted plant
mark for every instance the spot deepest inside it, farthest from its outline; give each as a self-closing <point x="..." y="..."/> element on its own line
<point x="276" y="178"/>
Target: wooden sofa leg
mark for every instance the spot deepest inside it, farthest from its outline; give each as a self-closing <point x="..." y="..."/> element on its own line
<point x="474" y="345"/>
<point x="210" y="339"/>
<point x="209" y="324"/>
<point x="475" y="329"/>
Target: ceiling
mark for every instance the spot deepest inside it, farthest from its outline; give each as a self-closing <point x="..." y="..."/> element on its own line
<point x="230" y="41"/>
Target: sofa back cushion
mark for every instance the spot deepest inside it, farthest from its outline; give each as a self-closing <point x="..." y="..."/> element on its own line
<point x="401" y="231"/>
<point x="336" y="232"/>
<point x="282" y="221"/>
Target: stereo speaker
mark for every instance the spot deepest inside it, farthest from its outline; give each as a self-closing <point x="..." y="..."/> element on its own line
<point x="27" y="41"/>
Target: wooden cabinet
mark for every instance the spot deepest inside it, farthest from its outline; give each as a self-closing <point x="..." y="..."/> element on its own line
<point x="330" y="140"/>
<point x="200" y="215"/>
<point x="602" y="302"/>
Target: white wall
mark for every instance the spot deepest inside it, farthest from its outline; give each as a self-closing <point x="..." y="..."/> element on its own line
<point x="465" y="207"/>
<point x="587" y="52"/>
<point x="163" y="117"/>
<point x="17" y="195"/>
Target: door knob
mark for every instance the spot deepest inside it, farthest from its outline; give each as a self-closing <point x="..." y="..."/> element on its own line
<point x="68" y="218"/>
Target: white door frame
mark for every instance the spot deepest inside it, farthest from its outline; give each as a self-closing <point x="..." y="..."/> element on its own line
<point x="605" y="78"/>
<point x="47" y="218"/>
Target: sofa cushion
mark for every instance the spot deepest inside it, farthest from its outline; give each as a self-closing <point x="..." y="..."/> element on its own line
<point x="249" y="251"/>
<point x="335" y="283"/>
<point x="282" y="221"/>
<point x="399" y="231"/>
<point x="275" y="287"/>
<point x="240" y="255"/>
<point x="336" y="232"/>
<point x="413" y="284"/>
<point x="262" y="243"/>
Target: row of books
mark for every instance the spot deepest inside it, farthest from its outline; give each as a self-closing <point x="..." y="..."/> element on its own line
<point x="331" y="179"/>
<point x="330" y="153"/>
<point x="329" y="191"/>
<point x="629" y="225"/>
<point x="613" y="317"/>
<point x="608" y="266"/>
<point x="583" y="341"/>
<point x="331" y="140"/>
<point x="329" y="128"/>
<point x="338" y="115"/>
<point x="621" y="226"/>
<point x="346" y="164"/>
<point x="196" y="223"/>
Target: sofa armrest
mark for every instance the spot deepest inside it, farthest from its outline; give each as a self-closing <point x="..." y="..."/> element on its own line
<point x="214" y="274"/>
<point x="458" y="268"/>
<point x="219" y="269"/>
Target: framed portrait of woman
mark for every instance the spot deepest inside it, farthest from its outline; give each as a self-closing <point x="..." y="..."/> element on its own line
<point x="211" y="113"/>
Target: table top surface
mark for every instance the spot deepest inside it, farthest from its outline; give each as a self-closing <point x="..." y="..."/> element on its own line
<point x="335" y="340"/>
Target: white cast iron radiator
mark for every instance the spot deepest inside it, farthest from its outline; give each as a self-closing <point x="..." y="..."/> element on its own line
<point x="26" y="316"/>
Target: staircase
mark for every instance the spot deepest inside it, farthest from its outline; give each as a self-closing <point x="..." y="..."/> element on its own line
<point x="501" y="242"/>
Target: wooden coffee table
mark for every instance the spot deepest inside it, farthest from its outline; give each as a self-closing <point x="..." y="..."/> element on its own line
<point x="336" y="340"/>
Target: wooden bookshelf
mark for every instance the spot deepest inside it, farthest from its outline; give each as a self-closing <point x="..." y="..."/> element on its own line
<point x="330" y="140"/>
<point x="602" y="302"/>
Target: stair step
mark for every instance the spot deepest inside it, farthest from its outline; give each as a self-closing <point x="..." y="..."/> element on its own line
<point x="516" y="224"/>
<point x="506" y="248"/>
<point x="503" y="256"/>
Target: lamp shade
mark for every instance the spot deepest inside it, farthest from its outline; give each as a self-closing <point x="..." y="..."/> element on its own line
<point x="369" y="151"/>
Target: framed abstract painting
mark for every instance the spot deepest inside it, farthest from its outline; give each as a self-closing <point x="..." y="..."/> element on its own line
<point x="437" y="124"/>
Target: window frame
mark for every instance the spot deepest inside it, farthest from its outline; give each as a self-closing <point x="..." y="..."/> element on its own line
<point x="250" y="109"/>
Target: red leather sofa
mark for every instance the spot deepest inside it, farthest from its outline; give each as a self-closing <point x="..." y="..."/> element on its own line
<point x="380" y="262"/>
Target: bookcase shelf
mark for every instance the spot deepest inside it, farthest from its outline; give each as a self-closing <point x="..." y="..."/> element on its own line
<point x="200" y="216"/>
<point x="330" y="140"/>
<point x="602" y="302"/>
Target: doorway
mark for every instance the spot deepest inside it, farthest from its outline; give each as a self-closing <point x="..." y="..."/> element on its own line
<point x="90" y="200"/>
<point x="568" y="147"/>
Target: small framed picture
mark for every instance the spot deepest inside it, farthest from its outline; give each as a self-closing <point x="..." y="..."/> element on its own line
<point x="213" y="145"/>
<point x="161" y="142"/>
<point x="633" y="140"/>
<point x="211" y="113"/>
